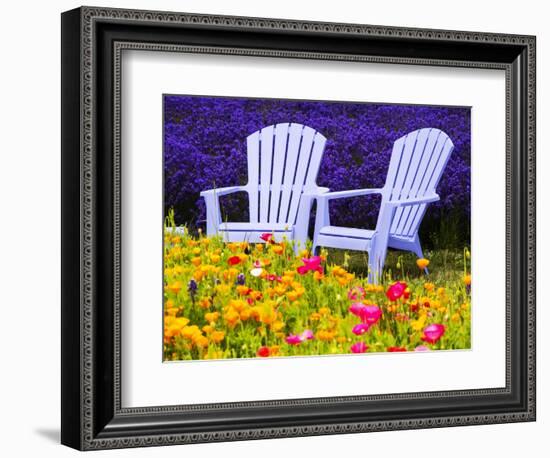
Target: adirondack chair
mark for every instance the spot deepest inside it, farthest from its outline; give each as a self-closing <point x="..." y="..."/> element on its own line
<point x="283" y="161"/>
<point x="416" y="165"/>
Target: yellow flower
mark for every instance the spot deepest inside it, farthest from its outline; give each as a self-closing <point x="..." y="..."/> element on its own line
<point x="217" y="336"/>
<point x="242" y="290"/>
<point x="174" y="326"/>
<point x="196" y="261"/>
<point x="243" y="256"/>
<point x="274" y="350"/>
<point x="292" y="296"/>
<point x="255" y="295"/>
<point x="214" y="258"/>
<point x="200" y="341"/>
<point x="304" y="254"/>
<point x="455" y="317"/>
<point x="418" y="325"/>
<point x="175" y="287"/>
<point x="205" y="302"/>
<point x="324" y="311"/>
<point x="189" y="331"/>
<point x="260" y="247"/>
<point x="245" y="314"/>
<point x="212" y="316"/>
<point x="467" y="280"/>
<point x="429" y="286"/>
<point x="317" y="275"/>
<point x="172" y="311"/>
<point x="199" y="274"/>
<point x="238" y="304"/>
<point x="277" y="325"/>
<point x="286" y="279"/>
<point x="326" y="335"/>
<point x="223" y="289"/>
<point x="230" y="274"/>
<point x="315" y="316"/>
<point x="208" y="328"/>
<point x="233" y="247"/>
<point x="196" y="251"/>
<point x="231" y="317"/>
<point x="279" y="290"/>
<point x="422" y="263"/>
<point x="277" y="249"/>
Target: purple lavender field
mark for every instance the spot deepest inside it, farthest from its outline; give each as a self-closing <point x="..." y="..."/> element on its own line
<point x="205" y="147"/>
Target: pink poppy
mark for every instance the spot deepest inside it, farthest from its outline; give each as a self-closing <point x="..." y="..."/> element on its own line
<point x="293" y="339"/>
<point x="422" y="348"/>
<point x="396" y="290"/>
<point x="267" y="237"/>
<point x="297" y="339"/>
<point x="359" y="347"/>
<point x="371" y="314"/>
<point x="357" y="308"/>
<point x="273" y="277"/>
<point x="360" y="329"/>
<point x="368" y="314"/>
<point x="357" y="293"/>
<point x="310" y="264"/>
<point x="433" y="333"/>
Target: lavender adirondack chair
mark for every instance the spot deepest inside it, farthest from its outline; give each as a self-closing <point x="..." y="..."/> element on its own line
<point x="283" y="161"/>
<point x="416" y="165"/>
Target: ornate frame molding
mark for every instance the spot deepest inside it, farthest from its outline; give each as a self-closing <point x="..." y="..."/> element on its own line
<point x="89" y="433"/>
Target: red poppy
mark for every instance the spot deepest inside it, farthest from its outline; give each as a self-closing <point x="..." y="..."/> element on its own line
<point x="234" y="260"/>
<point x="263" y="352"/>
<point x="396" y="349"/>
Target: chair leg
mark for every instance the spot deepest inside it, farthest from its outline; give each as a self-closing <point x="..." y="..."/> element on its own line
<point x="374" y="274"/>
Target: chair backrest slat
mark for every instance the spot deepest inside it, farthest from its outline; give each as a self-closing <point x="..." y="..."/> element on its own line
<point x="253" y="158"/>
<point x="416" y="166"/>
<point x="283" y="161"/>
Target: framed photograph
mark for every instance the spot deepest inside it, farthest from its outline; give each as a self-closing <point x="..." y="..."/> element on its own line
<point x="276" y="228"/>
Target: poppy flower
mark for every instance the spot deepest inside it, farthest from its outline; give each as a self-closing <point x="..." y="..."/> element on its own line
<point x="263" y="352"/>
<point x="396" y="349"/>
<point x="433" y="333"/>
<point x="293" y="339"/>
<point x="368" y="314"/>
<point x="267" y="237"/>
<point x="310" y="264"/>
<point x="360" y="329"/>
<point x="234" y="260"/>
<point x="359" y="347"/>
<point x="422" y="263"/>
<point x="396" y="290"/>
<point x="297" y="339"/>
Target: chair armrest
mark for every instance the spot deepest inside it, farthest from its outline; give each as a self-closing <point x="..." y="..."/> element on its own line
<point x="222" y="191"/>
<point x="414" y="201"/>
<point x="350" y="193"/>
<point x="315" y="192"/>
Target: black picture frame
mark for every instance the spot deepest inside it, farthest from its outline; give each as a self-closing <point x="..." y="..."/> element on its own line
<point x="92" y="40"/>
